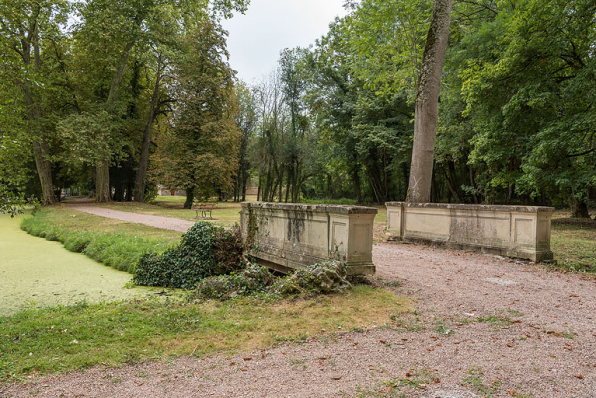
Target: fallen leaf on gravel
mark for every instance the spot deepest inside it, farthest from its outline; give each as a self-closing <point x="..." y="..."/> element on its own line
<point x="382" y="341"/>
<point x="430" y="349"/>
<point x="335" y="377"/>
<point x="567" y="348"/>
<point x="243" y="369"/>
<point x="422" y="386"/>
<point x="573" y="295"/>
<point x="323" y="358"/>
<point x="580" y="376"/>
<point x="511" y="392"/>
<point x="510" y="345"/>
<point x="436" y="380"/>
<point x="409" y="373"/>
<point x="247" y="358"/>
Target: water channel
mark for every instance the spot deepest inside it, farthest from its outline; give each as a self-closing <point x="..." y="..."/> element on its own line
<point x="35" y="272"/>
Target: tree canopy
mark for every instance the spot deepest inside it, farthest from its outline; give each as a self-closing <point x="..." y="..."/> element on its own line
<point x="116" y="97"/>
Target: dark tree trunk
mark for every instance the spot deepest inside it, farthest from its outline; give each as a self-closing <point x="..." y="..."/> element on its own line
<point x="102" y="168"/>
<point x="144" y="158"/>
<point x="579" y="209"/>
<point x="129" y="193"/>
<point x="427" y="103"/>
<point x="44" y="171"/>
<point x="356" y="181"/>
<point x="41" y="150"/>
<point x="190" y="197"/>
<point x="102" y="182"/>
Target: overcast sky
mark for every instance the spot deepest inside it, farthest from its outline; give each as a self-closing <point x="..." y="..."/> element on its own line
<point x="268" y="26"/>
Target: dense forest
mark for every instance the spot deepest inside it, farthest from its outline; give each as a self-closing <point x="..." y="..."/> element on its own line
<point x="114" y="98"/>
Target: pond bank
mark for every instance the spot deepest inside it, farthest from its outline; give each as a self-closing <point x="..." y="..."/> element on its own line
<point x="37" y="273"/>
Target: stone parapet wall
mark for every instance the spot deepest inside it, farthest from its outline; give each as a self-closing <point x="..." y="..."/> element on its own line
<point x="288" y="236"/>
<point x="514" y="231"/>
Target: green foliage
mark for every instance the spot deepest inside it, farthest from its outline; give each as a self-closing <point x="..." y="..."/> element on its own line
<point x="13" y="203"/>
<point x="321" y="278"/>
<point x="118" y="250"/>
<point x="253" y="280"/>
<point x="199" y="152"/>
<point x="206" y="250"/>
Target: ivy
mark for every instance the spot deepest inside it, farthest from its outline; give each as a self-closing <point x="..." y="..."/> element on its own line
<point x="206" y="250"/>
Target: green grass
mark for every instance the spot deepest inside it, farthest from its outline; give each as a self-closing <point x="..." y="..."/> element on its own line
<point x="574" y="247"/>
<point x="62" y="339"/>
<point x="225" y="214"/>
<point x="115" y="243"/>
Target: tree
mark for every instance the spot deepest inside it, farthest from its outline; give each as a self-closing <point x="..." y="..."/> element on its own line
<point x="199" y="149"/>
<point x="427" y="102"/>
<point x="30" y="33"/>
<point x="246" y="120"/>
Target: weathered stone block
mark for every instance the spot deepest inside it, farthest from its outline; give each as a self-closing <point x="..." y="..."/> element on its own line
<point x="287" y="236"/>
<point x="514" y="231"/>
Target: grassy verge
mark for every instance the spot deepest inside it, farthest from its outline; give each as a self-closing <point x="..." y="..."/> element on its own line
<point x="61" y="339"/>
<point x="574" y="247"/>
<point x="115" y="243"/>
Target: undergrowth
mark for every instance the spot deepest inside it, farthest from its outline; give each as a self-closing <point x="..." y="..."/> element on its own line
<point x="120" y="250"/>
<point x="206" y="250"/>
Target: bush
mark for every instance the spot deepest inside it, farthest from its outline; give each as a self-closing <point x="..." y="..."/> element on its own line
<point x="322" y="278"/>
<point x="206" y="250"/>
<point x="254" y="279"/>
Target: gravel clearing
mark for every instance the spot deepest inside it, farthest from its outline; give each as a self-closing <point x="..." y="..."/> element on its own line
<point x="484" y="326"/>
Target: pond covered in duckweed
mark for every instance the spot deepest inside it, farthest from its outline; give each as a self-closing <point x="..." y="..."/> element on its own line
<point x="35" y="272"/>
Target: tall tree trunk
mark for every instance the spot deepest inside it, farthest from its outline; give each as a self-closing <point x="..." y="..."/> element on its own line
<point x="44" y="170"/>
<point x="102" y="182"/>
<point x="144" y="157"/>
<point x="450" y="186"/>
<point x="427" y="102"/>
<point x="244" y="182"/>
<point x="579" y="208"/>
<point x="41" y="150"/>
<point x="190" y="197"/>
<point x="356" y="181"/>
<point x="102" y="169"/>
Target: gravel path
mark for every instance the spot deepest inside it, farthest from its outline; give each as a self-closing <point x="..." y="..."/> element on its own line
<point x="174" y="224"/>
<point x="484" y="326"/>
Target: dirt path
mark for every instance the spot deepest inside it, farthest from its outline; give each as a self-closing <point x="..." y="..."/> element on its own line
<point x="484" y="326"/>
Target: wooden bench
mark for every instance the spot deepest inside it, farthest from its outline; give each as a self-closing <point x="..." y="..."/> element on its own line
<point x="204" y="208"/>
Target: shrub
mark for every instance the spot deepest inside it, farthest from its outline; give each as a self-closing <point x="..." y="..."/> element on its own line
<point x="206" y="250"/>
<point x="322" y="278"/>
<point x="254" y="279"/>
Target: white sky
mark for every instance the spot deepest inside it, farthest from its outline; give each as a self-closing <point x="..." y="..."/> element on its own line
<point x="268" y="26"/>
